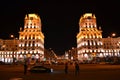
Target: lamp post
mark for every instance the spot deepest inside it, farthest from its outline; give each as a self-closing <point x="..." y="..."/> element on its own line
<point x="113" y="34"/>
<point x="112" y="46"/>
<point x="12" y="36"/>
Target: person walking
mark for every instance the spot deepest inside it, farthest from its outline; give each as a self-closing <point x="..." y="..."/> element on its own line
<point x="77" y="69"/>
<point x="66" y="68"/>
<point x="25" y="68"/>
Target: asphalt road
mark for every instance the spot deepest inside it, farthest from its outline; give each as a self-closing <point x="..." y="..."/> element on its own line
<point x="87" y="72"/>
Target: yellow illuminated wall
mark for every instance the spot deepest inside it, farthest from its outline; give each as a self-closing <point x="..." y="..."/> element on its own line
<point x="89" y="37"/>
<point x="31" y="44"/>
<point x="8" y="50"/>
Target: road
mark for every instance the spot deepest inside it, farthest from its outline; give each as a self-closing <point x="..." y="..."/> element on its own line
<point x="87" y="72"/>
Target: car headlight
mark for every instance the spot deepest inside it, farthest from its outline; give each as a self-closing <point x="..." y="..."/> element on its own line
<point x="51" y="70"/>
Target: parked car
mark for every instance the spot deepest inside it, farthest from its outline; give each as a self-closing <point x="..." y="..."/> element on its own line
<point x="40" y="69"/>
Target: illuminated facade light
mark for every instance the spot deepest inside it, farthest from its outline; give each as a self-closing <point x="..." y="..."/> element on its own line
<point x="31" y="52"/>
<point x="37" y="56"/>
<point x="85" y="55"/>
<point x="21" y="56"/>
<point x="33" y="35"/>
<point x="88" y="26"/>
<point x="31" y="41"/>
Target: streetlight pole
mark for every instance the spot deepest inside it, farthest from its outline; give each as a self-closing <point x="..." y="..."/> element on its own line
<point x="12" y="36"/>
<point x="112" y="46"/>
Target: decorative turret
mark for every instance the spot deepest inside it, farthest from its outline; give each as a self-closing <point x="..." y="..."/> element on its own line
<point x="32" y="21"/>
<point x="88" y="20"/>
<point x="88" y="27"/>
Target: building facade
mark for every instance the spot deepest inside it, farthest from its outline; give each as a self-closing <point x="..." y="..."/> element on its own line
<point x="30" y="44"/>
<point x="90" y="43"/>
<point x="89" y="38"/>
<point x="71" y="54"/>
<point x="31" y="38"/>
<point x="9" y="50"/>
<point x="111" y="47"/>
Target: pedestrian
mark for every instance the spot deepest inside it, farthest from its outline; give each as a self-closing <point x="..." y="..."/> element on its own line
<point x="66" y="68"/>
<point x="25" y="68"/>
<point x="77" y="69"/>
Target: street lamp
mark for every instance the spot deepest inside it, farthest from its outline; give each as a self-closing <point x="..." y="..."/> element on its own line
<point x="12" y="36"/>
<point x="113" y="34"/>
<point x="112" y="46"/>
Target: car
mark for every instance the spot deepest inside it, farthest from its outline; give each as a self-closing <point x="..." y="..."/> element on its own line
<point x="40" y="69"/>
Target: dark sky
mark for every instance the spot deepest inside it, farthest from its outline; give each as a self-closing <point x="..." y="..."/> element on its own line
<point x="59" y="19"/>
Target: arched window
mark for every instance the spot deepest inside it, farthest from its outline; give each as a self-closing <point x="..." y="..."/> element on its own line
<point x="25" y="36"/>
<point x="86" y="25"/>
<point x="33" y="36"/>
<point x="29" y="36"/>
<point x="34" y="25"/>
<point x="31" y="25"/>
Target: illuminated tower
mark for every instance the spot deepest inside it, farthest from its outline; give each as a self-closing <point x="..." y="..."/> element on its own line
<point x="89" y="38"/>
<point x="31" y="38"/>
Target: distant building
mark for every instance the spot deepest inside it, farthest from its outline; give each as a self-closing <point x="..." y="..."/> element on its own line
<point x="49" y="54"/>
<point x="111" y="47"/>
<point x="71" y="54"/>
<point x="9" y="50"/>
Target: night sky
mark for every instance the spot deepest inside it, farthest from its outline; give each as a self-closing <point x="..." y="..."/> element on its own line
<point x="59" y="19"/>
